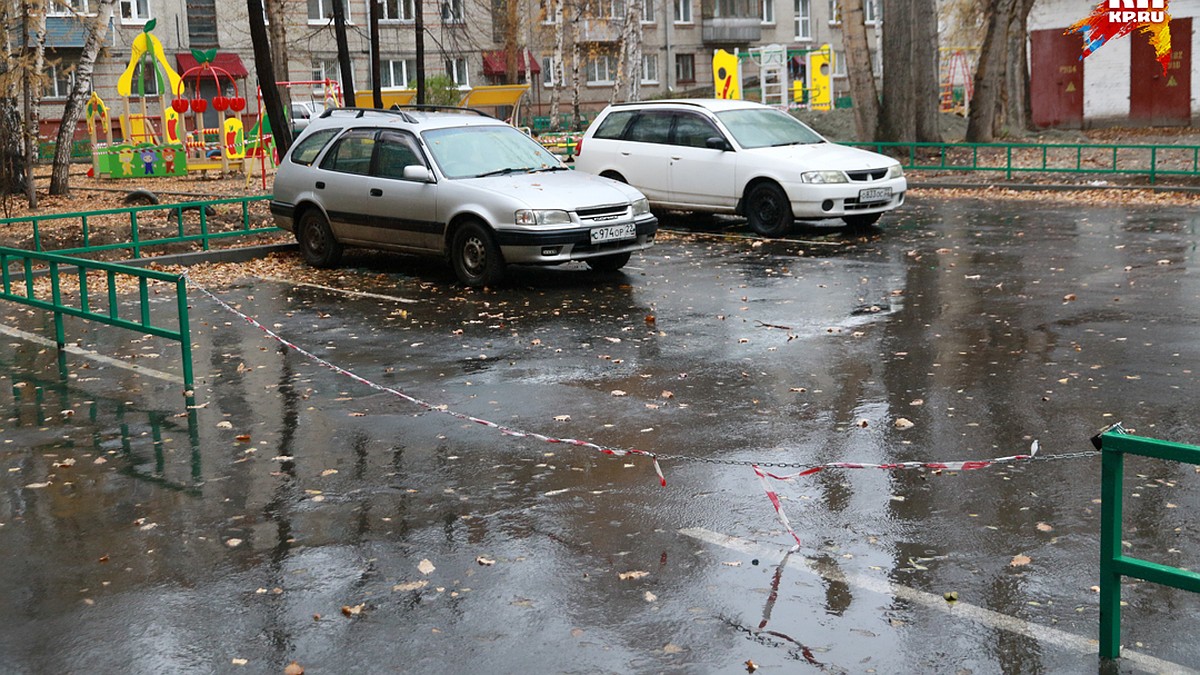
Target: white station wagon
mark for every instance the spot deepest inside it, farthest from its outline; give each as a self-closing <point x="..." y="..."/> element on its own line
<point x="739" y="157"/>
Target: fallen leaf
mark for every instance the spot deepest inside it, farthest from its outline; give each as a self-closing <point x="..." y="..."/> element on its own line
<point x="637" y="574"/>
<point x="239" y="662"/>
<point x="950" y="596"/>
<point x="671" y="648"/>
<point x="1020" y="560"/>
<point x="562" y="418"/>
<point x="224" y="424"/>
<point x="1069" y="297"/>
<point x="667" y="394"/>
<point x="293" y="668"/>
<point x="352" y="611"/>
<point x="618" y="392"/>
<point x="328" y="472"/>
<point x="66" y="463"/>
<point x="486" y="562"/>
<point x="233" y="542"/>
<point x="245" y="438"/>
<point x="650" y="597"/>
<point x="410" y="586"/>
<point x="36" y="486"/>
<point x="425" y="567"/>
<point x="904" y="423"/>
<point x="1045" y="527"/>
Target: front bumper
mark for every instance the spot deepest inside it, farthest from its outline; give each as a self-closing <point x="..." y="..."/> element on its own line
<point x="834" y="200"/>
<point x="559" y="246"/>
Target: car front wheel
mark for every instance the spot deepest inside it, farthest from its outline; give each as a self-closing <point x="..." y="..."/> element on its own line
<point x="609" y="263"/>
<point x="861" y="221"/>
<point x="475" y="256"/>
<point x="317" y="243"/>
<point x="768" y="210"/>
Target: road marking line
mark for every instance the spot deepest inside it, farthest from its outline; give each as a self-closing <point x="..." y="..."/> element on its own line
<point x="331" y="289"/>
<point x="89" y="354"/>
<point x="1042" y="634"/>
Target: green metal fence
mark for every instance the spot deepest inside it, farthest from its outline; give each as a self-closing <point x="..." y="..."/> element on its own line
<point x="136" y="228"/>
<point x="1154" y="161"/>
<point x="69" y="286"/>
<point x="1116" y="443"/>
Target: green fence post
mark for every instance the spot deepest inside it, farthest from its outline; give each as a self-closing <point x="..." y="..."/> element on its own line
<point x="185" y="334"/>
<point x="1153" y="162"/>
<point x="1112" y="469"/>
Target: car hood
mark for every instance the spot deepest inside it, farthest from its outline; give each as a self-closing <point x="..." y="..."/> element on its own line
<point x="566" y="190"/>
<point x="823" y="156"/>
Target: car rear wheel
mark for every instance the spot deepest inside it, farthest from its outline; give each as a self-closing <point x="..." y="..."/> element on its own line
<point x="475" y="256"/>
<point x="768" y="210"/>
<point x="862" y="220"/>
<point x="317" y="243"/>
<point x="609" y="263"/>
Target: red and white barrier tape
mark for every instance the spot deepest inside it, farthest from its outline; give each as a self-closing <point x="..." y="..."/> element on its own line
<point x="506" y="430"/>
<point x="968" y="465"/>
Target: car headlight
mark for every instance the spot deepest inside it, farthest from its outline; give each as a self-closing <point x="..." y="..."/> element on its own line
<point x="542" y="217"/>
<point x="823" y="177"/>
<point x="641" y="207"/>
<point x="896" y="171"/>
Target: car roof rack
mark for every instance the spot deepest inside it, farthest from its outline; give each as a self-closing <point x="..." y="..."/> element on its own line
<point x="422" y="107"/>
<point x="663" y="101"/>
<point x="362" y="111"/>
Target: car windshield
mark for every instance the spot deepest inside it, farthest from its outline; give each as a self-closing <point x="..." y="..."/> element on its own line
<point x="472" y="152"/>
<point x="761" y="128"/>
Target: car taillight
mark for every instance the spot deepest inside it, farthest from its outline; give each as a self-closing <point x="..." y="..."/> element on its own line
<point x="578" y="147"/>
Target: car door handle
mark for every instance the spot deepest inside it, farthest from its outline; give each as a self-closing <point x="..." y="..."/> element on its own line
<point x="624" y="153"/>
<point x="320" y="185"/>
<point x="376" y="192"/>
<point x="676" y="159"/>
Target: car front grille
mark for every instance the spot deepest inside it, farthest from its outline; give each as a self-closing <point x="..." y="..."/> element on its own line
<point x="867" y="176"/>
<point x="602" y="214"/>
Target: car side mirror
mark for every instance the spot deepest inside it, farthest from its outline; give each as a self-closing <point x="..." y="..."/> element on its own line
<point x="418" y="172"/>
<point x="716" y="143"/>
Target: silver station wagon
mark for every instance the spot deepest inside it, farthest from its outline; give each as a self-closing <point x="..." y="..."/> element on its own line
<point x="454" y="183"/>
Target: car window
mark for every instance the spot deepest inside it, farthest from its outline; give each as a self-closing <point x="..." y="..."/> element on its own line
<point x="694" y="131"/>
<point x="651" y="127"/>
<point x="351" y="153"/>
<point x="756" y="128"/>
<point x="299" y="112"/>
<point x="613" y="126"/>
<point x="394" y="152"/>
<point x="467" y="152"/>
<point x="305" y="152"/>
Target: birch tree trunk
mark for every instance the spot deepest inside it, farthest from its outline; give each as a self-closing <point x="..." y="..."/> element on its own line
<point x="635" y="50"/>
<point x="34" y="63"/>
<point x="576" y="120"/>
<point x="60" y="174"/>
<point x="556" y="65"/>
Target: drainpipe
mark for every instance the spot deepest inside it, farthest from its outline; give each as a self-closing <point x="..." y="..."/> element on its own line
<point x="668" y="26"/>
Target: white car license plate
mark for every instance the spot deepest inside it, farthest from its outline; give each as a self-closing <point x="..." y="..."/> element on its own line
<point x="869" y="195"/>
<point x="614" y="233"/>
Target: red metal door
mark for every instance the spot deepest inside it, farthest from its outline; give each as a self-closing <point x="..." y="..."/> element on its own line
<point x="1156" y="99"/>
<point x="1056" y="81"/>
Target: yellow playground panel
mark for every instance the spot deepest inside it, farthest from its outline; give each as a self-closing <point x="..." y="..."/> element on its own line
<point x="365" y="98"/>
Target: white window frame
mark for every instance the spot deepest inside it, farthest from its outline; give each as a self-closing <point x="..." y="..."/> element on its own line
<point x="548" y="12"/>
<point x="67" y="8"/>
<point x="605" y="62"/>
<point x="648" y="12"/>
<point x="768" y="12"/>
<point x="607" y="10"/>
<point x="548" y="72"/>
<point x="134" y="12"/>
<point x="454" y="11"/>
<point x="683" y="11"/>
<point x="835" y="13"/>
<point x="404" y="8"/>
<point x="649" y="68"/>
<point x="458" y="69"/>
<point x="407" y="69"/>
<point x="58" y="86"/>
<point x="839" y="63"/>
<point x="872" y="12"/>
<point x="326" y="69"/>
<point x="803" y="21"/>
<point x="325" y="12"/>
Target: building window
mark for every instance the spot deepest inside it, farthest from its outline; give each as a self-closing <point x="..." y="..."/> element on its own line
<point x="649" y="69"/>
<point x="607" y="9"/>
<point x="145" y="78"/>
<point x="549" y="12"/>
<point x="326" y="69"/>
<point x="839" y="64"/>
<point x="395" y="10"/>
<point x="549" y="71"/>
<point x="321" y="11"/>
<point x="835" y="12"/>
<point x="803" y="10"/>
<point x="453" y="11"/>
<point x="135" y="11"/>
<point x="768" y="11"/>
<point x="67" y="8"/>
<point x="683" y="11"/>
<point x="685" y="67"/>
<point x="648" y="11"/>
<point x="397" y="73"/>
<point x="60" y="78"/>
<point x="873" y="10"/>
<point x="600" y="69"/>
<point x="456" y="68"/>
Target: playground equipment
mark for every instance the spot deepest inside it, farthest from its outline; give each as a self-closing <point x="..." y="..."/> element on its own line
<point x="957" y="82"/>
<point x="207" y="148"/>
<point x="813" y="89"/>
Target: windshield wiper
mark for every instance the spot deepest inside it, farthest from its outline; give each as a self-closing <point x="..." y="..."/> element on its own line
<point x="503" y="172"/>
<point x="549" y="168"/>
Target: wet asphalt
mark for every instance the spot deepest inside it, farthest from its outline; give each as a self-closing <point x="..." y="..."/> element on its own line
<point x="293" y="513"/>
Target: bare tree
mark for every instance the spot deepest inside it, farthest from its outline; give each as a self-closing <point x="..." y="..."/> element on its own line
<point x="558" y="75"/>
<point x="60" y="173"/>
<point x="858" y="68"/>
<point x="1001" y="79"/>
<point x="264" y="70"/>
<point x="343" y="49"/>
<point x="34" y="61"/>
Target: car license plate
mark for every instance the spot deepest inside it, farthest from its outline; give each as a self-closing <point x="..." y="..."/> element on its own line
<point x="869" y="195"/>
<point x="613" y="233"/>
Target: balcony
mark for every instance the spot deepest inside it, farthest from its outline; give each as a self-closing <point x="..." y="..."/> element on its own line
<point x="726" y="30"/>
<point x="601" y="30"/>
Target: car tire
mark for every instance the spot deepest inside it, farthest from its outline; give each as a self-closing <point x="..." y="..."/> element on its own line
<point x="861" y="221"/>
<point x="476" y="257"/>
<point x="317" y="243"/>
<point x="609" y="263"/>
<point x="768" y="210"/>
